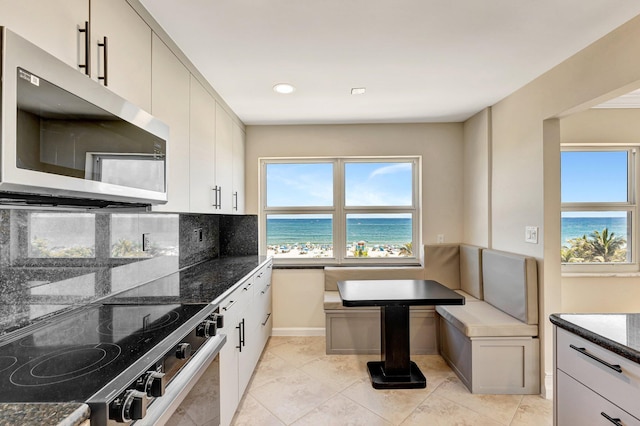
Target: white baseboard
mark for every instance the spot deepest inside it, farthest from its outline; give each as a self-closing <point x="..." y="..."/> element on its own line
<point x="298" y="331"/>
<point x="547" y="392"/>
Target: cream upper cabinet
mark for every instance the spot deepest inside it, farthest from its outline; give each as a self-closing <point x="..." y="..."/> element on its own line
<point x="170" y="103"/>
<point x="125" y="61"/>
<point x="224" y="162"/>
<point x="238" y="169"/>
<point x="52" y="25"/>
<point x="202" y="119"/>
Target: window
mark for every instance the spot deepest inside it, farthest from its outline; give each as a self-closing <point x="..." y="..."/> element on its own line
<point x="340" y="210"/>
<point x="62" y="235"/>
<point x="598" y="208"/>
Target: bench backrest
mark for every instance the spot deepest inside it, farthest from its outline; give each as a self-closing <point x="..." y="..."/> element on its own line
<point x="333" y="274"/>
<point x="458" y="266"/>
<point x="510" y="283"/>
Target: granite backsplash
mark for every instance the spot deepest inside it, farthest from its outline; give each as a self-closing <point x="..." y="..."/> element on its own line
<point x="52" y="260"/>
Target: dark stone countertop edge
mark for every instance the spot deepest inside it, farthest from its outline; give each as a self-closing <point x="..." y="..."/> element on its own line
<point x="613" y="346"/>
<point x="43" y="414"/>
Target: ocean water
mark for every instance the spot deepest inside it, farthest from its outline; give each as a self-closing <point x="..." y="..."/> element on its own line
<point x="318" y="231"/>
<point x="574" y="227"/>
<point x="398" y="231"/>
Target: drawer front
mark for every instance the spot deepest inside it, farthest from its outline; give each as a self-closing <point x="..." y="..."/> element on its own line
<point x="585" y="361"/>
<point x="233" y="304"/>
<point x="578" y="405"/>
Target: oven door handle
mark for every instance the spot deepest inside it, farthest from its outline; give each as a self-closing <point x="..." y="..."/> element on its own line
<point x="163" y="407"/>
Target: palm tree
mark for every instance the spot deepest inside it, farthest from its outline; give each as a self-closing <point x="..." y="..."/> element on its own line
<point x="578" y="251"/>
<point x="606" y="247"/>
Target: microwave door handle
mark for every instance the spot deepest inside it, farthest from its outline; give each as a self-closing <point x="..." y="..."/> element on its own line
<point x="87" y="49"/>
<point x="105" y="62"/>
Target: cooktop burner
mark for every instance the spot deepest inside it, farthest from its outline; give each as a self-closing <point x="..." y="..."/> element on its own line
<point x="71" y="359"/>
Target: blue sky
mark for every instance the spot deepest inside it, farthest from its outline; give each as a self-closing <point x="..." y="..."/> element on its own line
<point x="367" y="184"/>
<point x="594" y="176"/>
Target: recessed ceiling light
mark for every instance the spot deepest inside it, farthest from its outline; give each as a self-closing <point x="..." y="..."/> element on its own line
<point x="358" y="90"/>
<point x="284" y="88"/>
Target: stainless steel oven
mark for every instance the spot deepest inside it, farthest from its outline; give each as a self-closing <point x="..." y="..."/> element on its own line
<point x="129" y="363"/>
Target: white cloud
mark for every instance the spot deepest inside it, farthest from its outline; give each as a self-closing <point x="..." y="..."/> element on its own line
<point x="394" y="168"/>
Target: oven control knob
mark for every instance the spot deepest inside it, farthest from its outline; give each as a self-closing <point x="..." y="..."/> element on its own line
<point x="152" y="383"/>
<point x="207" y="329"/>
<point x="183" y="351"/>
<point x="132" y="405"/>
<point x="219" y="319"/>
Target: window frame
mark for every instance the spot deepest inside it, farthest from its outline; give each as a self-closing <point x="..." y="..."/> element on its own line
<point x="630" y="206"/>
<point x="339" y="210"/>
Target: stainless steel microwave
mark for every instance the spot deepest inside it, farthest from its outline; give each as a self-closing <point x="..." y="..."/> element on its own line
<point x="68" y="140"/>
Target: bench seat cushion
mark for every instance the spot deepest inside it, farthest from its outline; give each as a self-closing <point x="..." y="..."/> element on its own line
<point x="480" y="319"/>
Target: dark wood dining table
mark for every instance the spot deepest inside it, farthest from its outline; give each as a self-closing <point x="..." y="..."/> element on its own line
<point x="395" y="370"/>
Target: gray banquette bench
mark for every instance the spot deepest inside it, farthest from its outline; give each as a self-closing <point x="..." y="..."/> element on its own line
<point x="357" y="330"/>
<point x="491" y="344"/>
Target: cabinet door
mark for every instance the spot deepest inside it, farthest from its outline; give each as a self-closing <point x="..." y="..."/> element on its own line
<point x="52" y="25"/>
<point x="238" y="169"/>
<point x="229" y="357"/>
<point x="224" y="162"/>
<point x="250" y="337"/>
<point x="262" y="304"/>
<point x="170" y="103"/>
<point x="579" y="405"/>
<point x="201" y="149"/>
<point x="128" y="64"/>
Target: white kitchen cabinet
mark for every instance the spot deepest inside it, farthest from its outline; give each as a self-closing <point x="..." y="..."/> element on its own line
<point x="170" y="103"/>
<point x="224" y="160"/>
<point x="248" y="325"/>
<point x="52" y="25"/>
<point x="591" y="380"/>
<point x="238" y="169"/>
<point x="231" y="308"/>
<point x="262" y="306"/>
<point x="127" y="67"/>
<point x="582" y="406"/>
<point x="202" y="132"/>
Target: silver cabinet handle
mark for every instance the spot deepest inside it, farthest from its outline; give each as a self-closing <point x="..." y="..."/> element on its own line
<point x="266" y="319"/>
<point x="229" y="305"/>
<point x="235" y="198"/>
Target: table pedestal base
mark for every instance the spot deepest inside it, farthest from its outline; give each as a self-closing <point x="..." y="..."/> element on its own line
<point x="379" y="380"/>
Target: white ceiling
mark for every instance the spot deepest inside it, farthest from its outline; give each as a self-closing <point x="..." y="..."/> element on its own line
<point x="420" y="60"/>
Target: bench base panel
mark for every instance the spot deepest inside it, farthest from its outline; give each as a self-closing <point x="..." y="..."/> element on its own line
<point x="357" y="331"/>
<point x="492" y="365"/>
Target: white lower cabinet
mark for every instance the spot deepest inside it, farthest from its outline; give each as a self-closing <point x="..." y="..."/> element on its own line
<point x="593" y="386"/>
<point x="247" y="325"/>
<point x="579" y="405"/>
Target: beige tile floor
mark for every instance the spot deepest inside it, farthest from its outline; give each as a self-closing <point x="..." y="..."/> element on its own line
<point x="296" y="383"/>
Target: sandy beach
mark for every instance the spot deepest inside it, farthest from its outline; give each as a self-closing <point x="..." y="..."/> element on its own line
<point x="322" y="251"/>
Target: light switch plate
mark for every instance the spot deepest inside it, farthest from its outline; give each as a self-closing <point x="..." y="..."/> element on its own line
<point x="531" y="234"/>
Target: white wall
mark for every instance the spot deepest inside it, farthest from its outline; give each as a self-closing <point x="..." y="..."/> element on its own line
<point x="602" y="292"/>
<point x="525" y="148"/>
<point x="477" y="179"/>
<point x="441" y="148"/>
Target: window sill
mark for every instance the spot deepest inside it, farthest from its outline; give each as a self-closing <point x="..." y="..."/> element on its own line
<point x="600" y="274"/>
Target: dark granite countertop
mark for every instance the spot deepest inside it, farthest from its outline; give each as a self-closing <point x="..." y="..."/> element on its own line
<point x="205" y="282"/>
<point x="45" y="414"/>
<point x="202" y="283"/>
<point x="619" y="333"/>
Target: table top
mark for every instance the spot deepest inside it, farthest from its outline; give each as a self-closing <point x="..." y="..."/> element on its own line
<point x="396" y="292"/>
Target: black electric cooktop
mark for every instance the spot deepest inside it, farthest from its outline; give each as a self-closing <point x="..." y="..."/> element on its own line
<point x="76" y="355"/>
